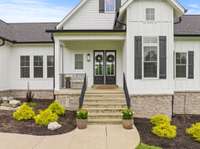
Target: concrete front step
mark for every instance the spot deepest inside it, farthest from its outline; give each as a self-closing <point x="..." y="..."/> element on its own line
<point x="96" y="104"/>
<point x="116" y="115"/>
<point x="113" y="106"/>
<point x="104" y="96"/>
<point x="104" y="110"/>
<point x="104" y="121"/>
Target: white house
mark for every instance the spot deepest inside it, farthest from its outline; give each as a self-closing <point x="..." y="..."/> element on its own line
<point x="152" y="42"/>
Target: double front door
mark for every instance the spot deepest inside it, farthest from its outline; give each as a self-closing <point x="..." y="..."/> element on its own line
<point x="105" y="67"/>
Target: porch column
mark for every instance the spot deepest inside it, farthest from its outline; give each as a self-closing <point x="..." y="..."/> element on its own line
<point x="57" y="64"/>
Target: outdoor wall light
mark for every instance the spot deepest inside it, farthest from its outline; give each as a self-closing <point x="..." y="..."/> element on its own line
<point x="88" y="57"/>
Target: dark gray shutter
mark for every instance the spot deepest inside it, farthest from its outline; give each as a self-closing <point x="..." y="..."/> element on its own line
<point x="118" y="5"/>
<point x="190" y="64"/>
<point x="138" y="57"/>
<point x="101" y="6"/>
<point x="163" y="55"/>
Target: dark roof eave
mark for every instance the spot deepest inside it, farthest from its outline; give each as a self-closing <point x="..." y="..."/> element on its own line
<point x="33" y="42"/>
<point x="187" y="35"/>
<point x="84" y="31"/>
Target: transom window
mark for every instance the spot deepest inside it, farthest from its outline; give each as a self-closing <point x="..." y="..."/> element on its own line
<point x="110" y="5"/>
<point x="38" y="66"/>
<point x="150" y="57"/>
<point x="181" y="65"/>
<point x="150" y="14"/>
<point x="25" y="66"/>
<point x="78" y="61"/>
<point x="50" y="66"/>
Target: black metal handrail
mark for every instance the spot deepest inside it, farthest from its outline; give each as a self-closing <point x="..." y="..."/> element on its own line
<point x="125" y="87"/>
<point x="83" y="90"/>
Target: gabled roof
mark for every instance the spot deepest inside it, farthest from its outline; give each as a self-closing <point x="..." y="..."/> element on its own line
<point x="26" y="32"/>
<point x="73" y="11"/>
<point x="180" y="10"/>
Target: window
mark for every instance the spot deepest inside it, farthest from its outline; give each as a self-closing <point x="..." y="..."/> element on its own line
<point x="150" y="57"/>
<point x="181" y="65"/>
<point x="38" y="66"/>
<point x="150" y="62"/>
<point x="78" y="61"/>
<point x="110" y="5"/>
<point x="25" y="66"/>
<point x="150" y="14"/>
<point x="50" y="66"/>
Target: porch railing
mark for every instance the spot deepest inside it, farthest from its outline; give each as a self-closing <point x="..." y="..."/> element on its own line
<point x="127" y="96"/>
<point x="71" y="80"/>
<point x="83" y="90"/>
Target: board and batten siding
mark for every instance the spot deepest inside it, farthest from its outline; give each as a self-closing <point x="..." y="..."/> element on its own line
<point x="15" y="82"/>
<point x="88" y="17"/>
<point x="138" y="26"/>
<point x="186" y="45"/>
<point x="4" y="61"/>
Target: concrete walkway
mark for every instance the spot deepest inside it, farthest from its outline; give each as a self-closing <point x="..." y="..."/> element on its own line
<point x="94" y="137"/>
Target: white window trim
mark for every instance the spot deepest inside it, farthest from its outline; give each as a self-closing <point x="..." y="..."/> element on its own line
<point x="24" y="78"/>
<point x="106" y="11"/>
<point x="79" y="70"/>
<point x="158" y="58"/>
<point x="182" y="78"/>
<point x="49" y="66"/>
<point x="43" y="68"/>
<point x="146" y="15"/>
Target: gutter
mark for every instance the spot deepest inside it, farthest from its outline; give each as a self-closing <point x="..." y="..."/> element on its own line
<point x="85" y="31"/>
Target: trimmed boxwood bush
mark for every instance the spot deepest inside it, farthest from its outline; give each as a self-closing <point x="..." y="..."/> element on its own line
<point x="145" y="146"/>
<point x="194" y="131"/>
<point x="82" y="114"/>
<point x="57" y="108"/>
<point x="24" y="112"/>
<point x="127" y="114"/>
<point x="160" y="119"/>
<point x="162" y="126"/>
<point x="45" y="117"/>
<point x="165" y="131"/>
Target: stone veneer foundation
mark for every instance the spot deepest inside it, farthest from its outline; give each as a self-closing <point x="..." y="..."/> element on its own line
<point x="146" y="106"/>
<point x="68" y="98"/>
<point x="187" y="103"/>
<point x="38" y="94"/>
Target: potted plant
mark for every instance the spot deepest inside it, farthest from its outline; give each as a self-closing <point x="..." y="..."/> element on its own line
<point x="82" y="118"/>
<point x="127" y="116"/>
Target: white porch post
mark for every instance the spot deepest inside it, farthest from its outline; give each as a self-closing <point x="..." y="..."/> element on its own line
<point x="57" y="64"/>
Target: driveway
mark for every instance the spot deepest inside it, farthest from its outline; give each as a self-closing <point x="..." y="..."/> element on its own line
<point x="94" y="137"/>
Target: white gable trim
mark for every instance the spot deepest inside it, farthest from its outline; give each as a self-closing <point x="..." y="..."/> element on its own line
<point x="179" y="8"/>
<point x="73" y="11"/>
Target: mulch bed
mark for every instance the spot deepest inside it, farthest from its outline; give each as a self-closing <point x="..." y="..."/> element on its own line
<point x="182" y="141"/>
<point x="9" y="125"/>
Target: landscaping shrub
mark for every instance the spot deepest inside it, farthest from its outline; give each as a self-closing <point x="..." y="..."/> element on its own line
<point x="165" y="131"/>
<point x="194" y="131"/>
<point x="24" y="112"/>
<point x="57" y="108"/>
<point x="127" y="114"/>
<point x="145" y="146"/>
<point x="45" y="117"/>
<point x="160" y="119"/>
<point x="82" y="114"/>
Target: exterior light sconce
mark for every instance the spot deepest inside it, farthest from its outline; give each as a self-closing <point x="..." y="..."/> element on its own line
<point x="88" y="57"/>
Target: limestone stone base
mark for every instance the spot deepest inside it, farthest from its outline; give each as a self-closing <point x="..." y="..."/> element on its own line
<point x="38" y="94"/>
<point x="68" y="98"/>
<point x="146" y="106"/>
<point x="187" y="103"/>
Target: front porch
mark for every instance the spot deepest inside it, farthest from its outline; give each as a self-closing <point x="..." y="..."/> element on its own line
<point x="98" y="56"/>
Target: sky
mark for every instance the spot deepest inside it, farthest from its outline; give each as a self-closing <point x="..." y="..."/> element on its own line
<point x="55" y="10"/>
